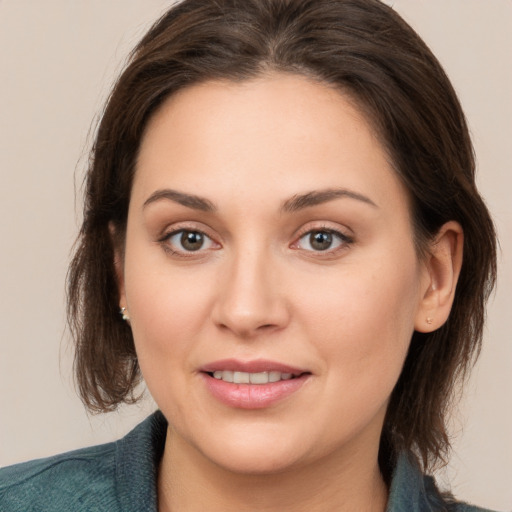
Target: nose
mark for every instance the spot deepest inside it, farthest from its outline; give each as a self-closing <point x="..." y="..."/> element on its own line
<point x="251" y="299"/>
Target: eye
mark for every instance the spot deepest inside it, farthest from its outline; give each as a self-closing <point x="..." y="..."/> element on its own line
<point x="322" y="240"/>
<point x="186" y="240"/>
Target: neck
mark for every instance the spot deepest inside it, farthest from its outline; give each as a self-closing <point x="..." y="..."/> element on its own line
<point x="188" y="481"/>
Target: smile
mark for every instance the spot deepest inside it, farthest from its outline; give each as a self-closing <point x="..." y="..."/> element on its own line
<point x="253" y="384"/>
<point x="251" y="378"/>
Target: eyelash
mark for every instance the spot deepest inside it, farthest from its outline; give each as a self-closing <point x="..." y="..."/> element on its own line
<point x="344" y="241"/>
<point x="183" y="253"/>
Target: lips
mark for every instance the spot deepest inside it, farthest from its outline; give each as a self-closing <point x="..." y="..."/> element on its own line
<point x="252" y="384"/>
<point x="256" y="366"/>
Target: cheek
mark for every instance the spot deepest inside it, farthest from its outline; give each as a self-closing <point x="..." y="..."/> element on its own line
<point x="167" y="305"/>
<point x="166" y="313"/>
<point x="363" y="322"/>
<point x="167" y="320"/>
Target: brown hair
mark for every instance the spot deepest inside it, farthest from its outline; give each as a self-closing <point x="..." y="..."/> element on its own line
<point x="363" y="48"/>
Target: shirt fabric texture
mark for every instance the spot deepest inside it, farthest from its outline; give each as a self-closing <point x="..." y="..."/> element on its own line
<point x="121" y="477"/>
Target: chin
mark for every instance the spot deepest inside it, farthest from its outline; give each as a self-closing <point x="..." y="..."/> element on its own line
<point x="254" y="454"/>
<point x="255" y="462"/>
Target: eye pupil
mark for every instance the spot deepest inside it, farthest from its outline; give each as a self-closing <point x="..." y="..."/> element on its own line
<point x="192" y="240"/>
<point x="320" y="240"/>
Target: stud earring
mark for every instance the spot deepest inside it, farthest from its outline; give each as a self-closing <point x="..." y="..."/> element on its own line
<point x="124" y="314"/>
<point x="429" y="320"/>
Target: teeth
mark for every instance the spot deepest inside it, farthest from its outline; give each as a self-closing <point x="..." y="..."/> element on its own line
<point x="274" y="376"/>
<point x="241" y="378"/>
<point x="258" y="378"/>
<point x="226" y="376"/>
<point x="251" y="378"/>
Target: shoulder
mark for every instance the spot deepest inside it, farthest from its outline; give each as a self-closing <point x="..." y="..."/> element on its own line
<point x="82" y="479"/>
<point x="119" y="476"/>
<point x="412" y="491"/>
<point x="445" y="502"/>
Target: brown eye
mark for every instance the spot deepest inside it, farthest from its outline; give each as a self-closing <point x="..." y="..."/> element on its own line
<point x="323" y="240"/>
<point x="320" y="240"/>
<point x="187" y="241"/>
<point x="192" y="240"/>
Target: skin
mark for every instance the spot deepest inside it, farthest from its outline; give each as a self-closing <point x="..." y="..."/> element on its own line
<point x="258" y="289"/>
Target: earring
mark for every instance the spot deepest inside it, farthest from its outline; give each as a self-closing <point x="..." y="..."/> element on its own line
<point x="124" y="314"/>
<point x="429" y="320"/>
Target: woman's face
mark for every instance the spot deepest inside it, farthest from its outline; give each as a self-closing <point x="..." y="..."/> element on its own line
<point x="268" y="235"/>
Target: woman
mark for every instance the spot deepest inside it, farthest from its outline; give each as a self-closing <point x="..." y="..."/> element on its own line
<point x="281" y="205"/>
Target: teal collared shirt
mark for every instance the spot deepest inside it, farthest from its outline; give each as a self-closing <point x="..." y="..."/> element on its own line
<point x="121" y="477"/>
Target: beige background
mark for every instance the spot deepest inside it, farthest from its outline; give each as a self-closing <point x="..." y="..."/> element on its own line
<point x="57" y="61"/>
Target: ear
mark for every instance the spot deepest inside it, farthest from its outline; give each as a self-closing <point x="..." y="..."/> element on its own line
<point x="118" y="263"/>
<point x="442" y="268"/>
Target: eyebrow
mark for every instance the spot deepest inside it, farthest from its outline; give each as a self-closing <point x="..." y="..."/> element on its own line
<point x="316" y="197"/>
<point x="188" y="200"/>
<point x="295" y="203"/>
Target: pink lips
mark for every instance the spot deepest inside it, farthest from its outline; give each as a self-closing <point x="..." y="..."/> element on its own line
<point x="252" y="396"/>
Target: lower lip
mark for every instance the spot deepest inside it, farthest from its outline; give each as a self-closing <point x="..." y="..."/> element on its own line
<point x="252" y="396"/>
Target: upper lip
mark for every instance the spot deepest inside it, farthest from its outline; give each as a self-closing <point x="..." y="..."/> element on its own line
<point x="255" y="366"/>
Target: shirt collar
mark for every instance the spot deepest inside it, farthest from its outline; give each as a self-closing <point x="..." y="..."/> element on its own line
<point x="138" y="456"/>
<point x="411" y="491"/>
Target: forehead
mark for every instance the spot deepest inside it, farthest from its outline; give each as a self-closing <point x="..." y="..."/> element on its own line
<point x="282" y="133"/>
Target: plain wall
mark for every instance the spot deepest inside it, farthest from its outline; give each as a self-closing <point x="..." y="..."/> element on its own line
<point x="58" y="59"/>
